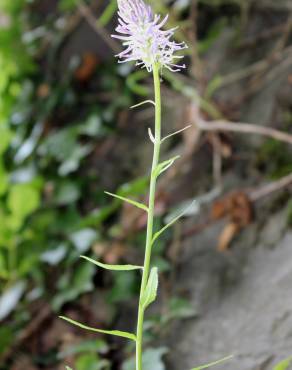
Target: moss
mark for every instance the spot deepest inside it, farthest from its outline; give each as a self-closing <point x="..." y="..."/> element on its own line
<point x="274" y="158"/>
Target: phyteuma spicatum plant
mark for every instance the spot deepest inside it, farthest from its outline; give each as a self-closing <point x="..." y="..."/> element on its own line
<point x="149" y="46"/>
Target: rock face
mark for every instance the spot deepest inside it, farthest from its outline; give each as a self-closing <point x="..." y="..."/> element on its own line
<point x="243" y="299"/>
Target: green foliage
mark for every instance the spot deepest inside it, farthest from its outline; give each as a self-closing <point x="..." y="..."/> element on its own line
<point x="178" y="309"/>
<point x="212" y="35"/>
<point x="91" y="361"/>
<point x="162" y="167"/>
<point x="108" y="13"/>
<point x="65" y="5"/>
<point x="150" y="292"/>
<point x="6" y="338"/>
<point x="88" y="355"/>
<point x="23" y="199"/>
<point x="281" y="163"/>
<point x="170" y="223"/>
<point x="116" y="333"/>
<point x="73" y="283"/>
<point x="152" y="360"/>
<point x="130" y="201"/>
<point x="113" y="267"/>
<point x="212" y="363"/>
<point x="92" y="345"/>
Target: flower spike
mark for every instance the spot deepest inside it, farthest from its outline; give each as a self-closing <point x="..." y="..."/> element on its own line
<point x="144" y="39"/>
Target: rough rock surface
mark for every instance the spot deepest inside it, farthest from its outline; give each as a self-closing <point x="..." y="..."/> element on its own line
<point x="243" y="299"/>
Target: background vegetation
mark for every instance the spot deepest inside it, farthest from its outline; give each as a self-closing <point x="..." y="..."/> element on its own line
<point x="66" y="135"/>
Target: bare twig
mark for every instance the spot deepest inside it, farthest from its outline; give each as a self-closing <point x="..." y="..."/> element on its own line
<point x="101" y="31"/>
<point x="246" y="128"/>
<point x="270" y="188"/>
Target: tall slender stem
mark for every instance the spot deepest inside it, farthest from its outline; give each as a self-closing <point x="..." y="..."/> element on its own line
<point x="151" y="204"/>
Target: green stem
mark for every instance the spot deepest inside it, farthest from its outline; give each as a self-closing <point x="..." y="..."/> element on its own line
<point x="151" y="204"/>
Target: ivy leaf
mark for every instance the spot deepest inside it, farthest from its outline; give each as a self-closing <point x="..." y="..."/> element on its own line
<point x="113" y="267"/>
<point x="133" y="202"/>
<point x="23" y="199"/>
<point x="10" y="298"/>
<point x="284" y="365"/>
<point x="74" y="283"/>
<point x="83" y="239"/>
<point x="117" y="333"/>
<point x="213" y="363"/>
<point x="150" y="292"/>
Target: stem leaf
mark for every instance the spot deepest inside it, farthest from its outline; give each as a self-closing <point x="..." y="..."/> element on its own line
<point x="142" y="103"/>
<point x="133" y="202"/>
<point x="213" y="363"/>
<point x="117" y="333"/>
<point x="163" y="166"/>
<point x="158" y="233"/>
<point x="175" y="133"/>
<point x="150" y="292"/>
<point x="112" y="267"/>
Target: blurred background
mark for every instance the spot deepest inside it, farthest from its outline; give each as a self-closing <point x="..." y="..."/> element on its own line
<point x="67" y="134"/>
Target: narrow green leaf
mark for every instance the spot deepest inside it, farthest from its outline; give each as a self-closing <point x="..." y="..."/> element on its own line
<point x="133" y="202"/>
<point x="117" y="333"/>
<point x="164" y="166"/>
<point x="175" y="133"/>
<point x="142" y="103"/>
<point x="213" y="363"/>
<point x="107" y="14"/>
<point x="113" y="267"/>
<point x="150" y="292"/>
<point x="158" y="233"/>
<point x="284" y="365"/>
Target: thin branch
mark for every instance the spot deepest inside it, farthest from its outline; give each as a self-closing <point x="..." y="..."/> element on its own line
<point x="246" y="128"/>
<point x="270" y="188"/>
<point x="101" y="31"/>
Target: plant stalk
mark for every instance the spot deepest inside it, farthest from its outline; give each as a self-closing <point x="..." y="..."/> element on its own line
<point x="151" y="204"/>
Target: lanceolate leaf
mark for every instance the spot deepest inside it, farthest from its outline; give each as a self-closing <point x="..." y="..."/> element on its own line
<point x="133" y="202"/>
<point x="156" y="235"/>
<point x="117" y="333"/>
<point x="164" y="166"/>
<point x="143" y="102"/>
<point x="213" y="363"/>
<point x="113" y="267"/>
<point x="150" y="292"/>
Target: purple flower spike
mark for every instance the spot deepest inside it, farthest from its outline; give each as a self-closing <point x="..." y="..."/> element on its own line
<point x="144" y="40"/>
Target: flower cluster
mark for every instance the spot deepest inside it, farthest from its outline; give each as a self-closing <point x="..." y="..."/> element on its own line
<point x="145" y="40"/>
